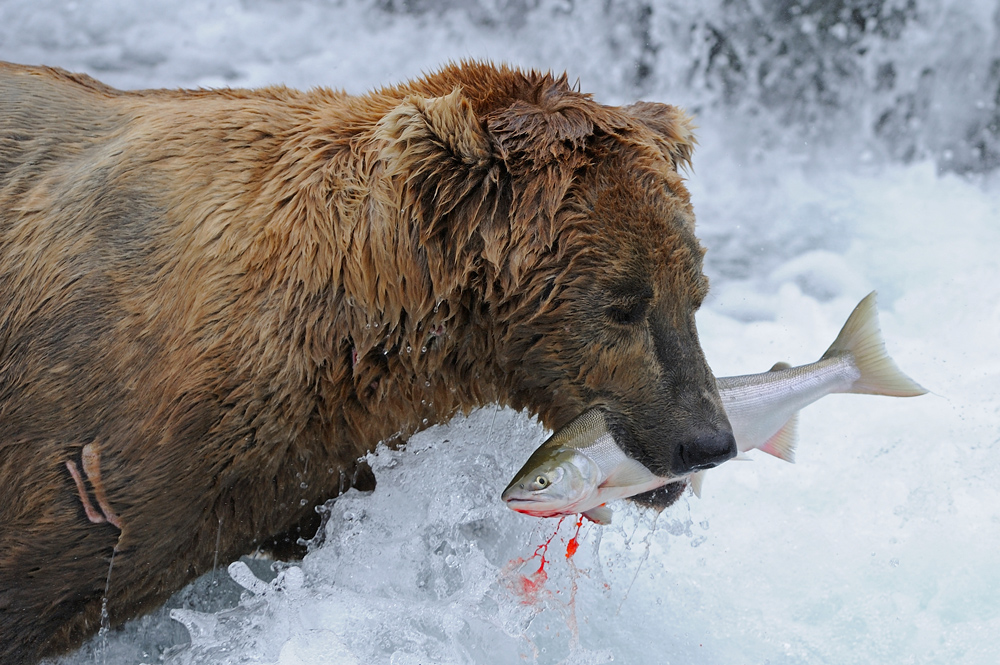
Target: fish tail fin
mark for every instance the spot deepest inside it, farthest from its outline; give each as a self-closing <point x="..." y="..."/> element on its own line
<point x="862" y="338"/>
<point x="782" y="444"/>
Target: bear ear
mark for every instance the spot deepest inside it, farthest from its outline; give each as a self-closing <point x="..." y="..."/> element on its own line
<point x="532" y="136"/>
<point x="420" y="130"/>
<point x="673" y="127"/>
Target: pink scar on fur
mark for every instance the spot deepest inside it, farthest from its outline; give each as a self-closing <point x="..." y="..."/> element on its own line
<point x="90" y="456"/>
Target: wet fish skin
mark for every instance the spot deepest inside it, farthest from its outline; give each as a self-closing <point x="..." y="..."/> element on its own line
<point x="762" y="408"/>
<point x="583" y="466"/>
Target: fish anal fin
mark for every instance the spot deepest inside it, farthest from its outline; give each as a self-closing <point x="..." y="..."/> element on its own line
<point x="782" y="444"/>
<point x="599" y="515"/>
<point x="696" y="480"/>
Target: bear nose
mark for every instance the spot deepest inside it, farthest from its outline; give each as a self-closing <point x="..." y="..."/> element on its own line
<point x="703" y="452"/>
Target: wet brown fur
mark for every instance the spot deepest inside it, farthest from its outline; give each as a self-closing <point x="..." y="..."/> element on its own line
<point x="235" y="294"/>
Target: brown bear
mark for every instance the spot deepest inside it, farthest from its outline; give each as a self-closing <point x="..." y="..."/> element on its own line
<point x="213" y="302"/>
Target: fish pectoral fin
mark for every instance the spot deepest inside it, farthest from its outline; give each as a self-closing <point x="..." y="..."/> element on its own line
<point x="782" y="444"/>
<point x="696" y="479"/>
<point x="629" y="473"/>
<point x="599" y="515"/>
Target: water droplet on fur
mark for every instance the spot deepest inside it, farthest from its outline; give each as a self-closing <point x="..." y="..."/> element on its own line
<point x="304" y="485"/>
<point x="302" y="502"/>
<point x="425" y="421"/>
<point x="423" y="349"/>
<point x="376" y="324"/>
<point x="427" y="384"/>
<point x="409" y="348"/>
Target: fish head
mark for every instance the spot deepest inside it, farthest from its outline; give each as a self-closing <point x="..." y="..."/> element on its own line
<point x="555" y="482"/>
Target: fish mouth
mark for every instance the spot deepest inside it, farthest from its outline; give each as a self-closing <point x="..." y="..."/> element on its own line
<point x="533" y="507"/>
<point x="517" y="496"/>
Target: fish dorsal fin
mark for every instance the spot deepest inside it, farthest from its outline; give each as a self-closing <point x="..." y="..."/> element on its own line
<point x="861" y="338"/>
<point x="696" y="480"/>
<point x="782" y="444"/>
<point x="628" y="473"/>
<point x="778" y="366"/>
<point x="599" y="515"/>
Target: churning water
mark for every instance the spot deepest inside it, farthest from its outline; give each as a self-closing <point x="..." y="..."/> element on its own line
<point x="846" y="145"/>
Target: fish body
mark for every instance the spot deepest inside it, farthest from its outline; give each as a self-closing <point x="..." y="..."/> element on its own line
<point x="581" y="467"/>
<point x="761" y="406"/>
<point x="578" y="470"/>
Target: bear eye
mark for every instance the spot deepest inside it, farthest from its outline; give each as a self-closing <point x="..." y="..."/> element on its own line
<point x="628" y="302"/>
<point x="628" y="312"/>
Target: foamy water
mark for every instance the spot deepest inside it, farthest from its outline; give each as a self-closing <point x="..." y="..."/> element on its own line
<point x="878" y="546"/>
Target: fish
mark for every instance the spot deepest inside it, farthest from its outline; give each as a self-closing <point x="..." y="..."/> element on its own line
<point x="578" y="470"/>
<point x="581" y="467"/>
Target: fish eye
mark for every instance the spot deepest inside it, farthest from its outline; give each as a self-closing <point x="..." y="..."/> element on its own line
<point x="541" y="481"/>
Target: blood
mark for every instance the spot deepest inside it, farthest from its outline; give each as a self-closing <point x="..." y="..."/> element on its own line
<point x="574" y="542"/>
<point x="528" y="586"/>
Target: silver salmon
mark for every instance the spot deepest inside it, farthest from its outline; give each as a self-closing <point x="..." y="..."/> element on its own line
<point x="580" y="468"/>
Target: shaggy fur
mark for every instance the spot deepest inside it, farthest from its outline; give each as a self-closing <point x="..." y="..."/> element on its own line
<point x="212" y="303"/>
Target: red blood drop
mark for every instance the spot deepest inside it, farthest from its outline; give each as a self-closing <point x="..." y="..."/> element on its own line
<point x="574" y="543"/>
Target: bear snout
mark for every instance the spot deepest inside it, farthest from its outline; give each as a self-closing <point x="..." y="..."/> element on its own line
<point x="703" y="452"/>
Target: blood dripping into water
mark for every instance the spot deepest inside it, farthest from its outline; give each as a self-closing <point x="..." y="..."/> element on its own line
<point x="528" y="587"/>
<point x="573" y="543"/>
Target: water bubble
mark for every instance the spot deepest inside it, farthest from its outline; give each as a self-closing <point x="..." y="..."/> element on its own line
<point x="893" y="562"/>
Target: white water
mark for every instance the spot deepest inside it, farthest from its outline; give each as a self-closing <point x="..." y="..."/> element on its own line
<point x="878" y="546"/>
